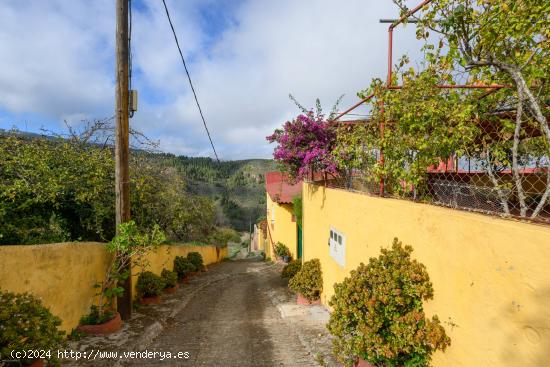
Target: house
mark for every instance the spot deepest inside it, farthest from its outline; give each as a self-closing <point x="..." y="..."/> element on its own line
<point x="281" y="221"/>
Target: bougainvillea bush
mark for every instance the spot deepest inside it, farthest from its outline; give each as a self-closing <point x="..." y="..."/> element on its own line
<point x="378" y="314"/>
<point x="304" y="145"/>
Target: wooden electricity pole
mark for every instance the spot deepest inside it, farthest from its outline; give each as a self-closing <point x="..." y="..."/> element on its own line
<point x="122" y="149"/>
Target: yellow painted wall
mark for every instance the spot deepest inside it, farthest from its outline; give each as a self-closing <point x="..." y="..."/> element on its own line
<point x="163" y="257"/>
<point x="282" y="228"/>
<point x="63" y="274"/>
<point x="491" y="276"/>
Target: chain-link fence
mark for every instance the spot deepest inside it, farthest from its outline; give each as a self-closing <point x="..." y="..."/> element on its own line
<point x="499" y="171"/>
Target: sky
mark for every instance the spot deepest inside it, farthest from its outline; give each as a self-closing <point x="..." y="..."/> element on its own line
<point x="244" y="56"/>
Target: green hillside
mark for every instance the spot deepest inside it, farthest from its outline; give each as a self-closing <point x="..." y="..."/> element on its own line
<point x="237" y="187"/>
<point x="54" y="190"/>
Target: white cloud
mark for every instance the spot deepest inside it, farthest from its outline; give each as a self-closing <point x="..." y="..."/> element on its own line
<point x="57" y="60"/>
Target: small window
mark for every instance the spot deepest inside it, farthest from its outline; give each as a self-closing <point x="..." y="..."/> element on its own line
<point x="331" y="235"/>
<point x="339" y="239"/>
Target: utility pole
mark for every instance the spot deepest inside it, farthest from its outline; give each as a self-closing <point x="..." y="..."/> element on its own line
<point x="122" y="149"/>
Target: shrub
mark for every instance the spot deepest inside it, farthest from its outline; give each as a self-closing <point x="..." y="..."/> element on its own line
<point x="95" y="317"/>
<point x="378" y="314"/>
<point x="281" y="249"/>
<point x="196" y="259"/>
<point x="182" y="266"/>
<point x="130" y="243"/>
<point x="25" y="324"/>
<point x="309" y="280"/>
<point x="291" y="269"/>
<point x="170" y="278"/>
<point x="222" y="236"/>
<point x="149" y="284"/>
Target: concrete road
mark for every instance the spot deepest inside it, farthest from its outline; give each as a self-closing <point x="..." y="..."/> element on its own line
<point x="232" y="322"/>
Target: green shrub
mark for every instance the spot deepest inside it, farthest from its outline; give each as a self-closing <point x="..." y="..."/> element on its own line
<point x="170" y="278"/>
<point x="309" y="280"/>
<point x="281" y="249"/>
<point x="25" y="324"/>
<point x="378" y="314"/>
<point x="95" y="318"/>
<point x="196" y="259"/>
<point x="149" y="284"/>
<point x="182" y="266"/>
<point x="291" y="269"/>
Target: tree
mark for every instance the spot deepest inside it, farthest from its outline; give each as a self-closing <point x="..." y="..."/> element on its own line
<point x="504" y="42"/>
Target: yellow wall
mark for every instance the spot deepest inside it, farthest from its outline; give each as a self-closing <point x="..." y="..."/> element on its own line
<point x="63" y="274"/>
<point x="282" y="229"/>
<point x="491" y="276"/>
<point x="163" y="257"/>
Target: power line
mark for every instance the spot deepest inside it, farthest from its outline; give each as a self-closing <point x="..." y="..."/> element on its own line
<point x="189" y="78"/>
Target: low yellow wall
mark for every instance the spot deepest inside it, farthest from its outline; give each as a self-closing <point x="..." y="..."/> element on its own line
<point x="491" y="276"/>
<point x="163" y="257"/>
<point x="63" y="274"/>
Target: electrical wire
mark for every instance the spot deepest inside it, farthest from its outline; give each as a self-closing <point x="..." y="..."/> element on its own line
<point x="190" y="82"/>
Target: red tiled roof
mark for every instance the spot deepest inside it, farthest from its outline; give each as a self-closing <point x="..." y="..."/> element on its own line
<point x="280" y="189"/>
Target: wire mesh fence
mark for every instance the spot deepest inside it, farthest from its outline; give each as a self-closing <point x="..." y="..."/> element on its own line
<point x="497" y="172"/>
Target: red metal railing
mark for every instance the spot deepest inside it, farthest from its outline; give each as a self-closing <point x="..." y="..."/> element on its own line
<point x="389" y="86"/>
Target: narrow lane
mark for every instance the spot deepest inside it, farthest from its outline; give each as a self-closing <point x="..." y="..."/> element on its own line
<point x="232" y="322"/>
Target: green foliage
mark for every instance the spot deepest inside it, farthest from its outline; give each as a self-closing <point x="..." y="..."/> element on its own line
<point x="281" y="249"/>
<point x="479" y="42"/>
<point x="149" y="284"/>
<point x="95" y="318"/>
<point x="25" y="324"/>
<point x="195" y="258"/>
<point x="182" y="266"/>
<point x="221" y="236"/>
<point x="378" y="313"/>
<point x="55" y="190"/>
<point x="170" y="278"/>
<point x="427" y="124"/>
<point x="130" y="243"/>
<point x="290" y="269"/>
<point x="309" y="280"/>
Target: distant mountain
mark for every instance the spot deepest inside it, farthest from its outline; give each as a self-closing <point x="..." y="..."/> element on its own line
<point x="237" y="187"/>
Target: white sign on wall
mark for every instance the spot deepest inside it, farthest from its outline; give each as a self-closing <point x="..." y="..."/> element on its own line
<point x="337" y="246"/>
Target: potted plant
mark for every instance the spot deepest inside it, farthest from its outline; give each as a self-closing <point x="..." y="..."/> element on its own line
<point x="129" y="243"/>
<point x="100" y="323"/>
<point x="170" y="280"/>
<point x="149" y="288"/>
<point x="378" y="315"/>
<point x="308" y="283"/>
<point x="183" y="268"/>
<point x="282" y="252"/>
<point x="291" y="269"/>
<point x="26" y="325"/>
<point x="196" y="259"/>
